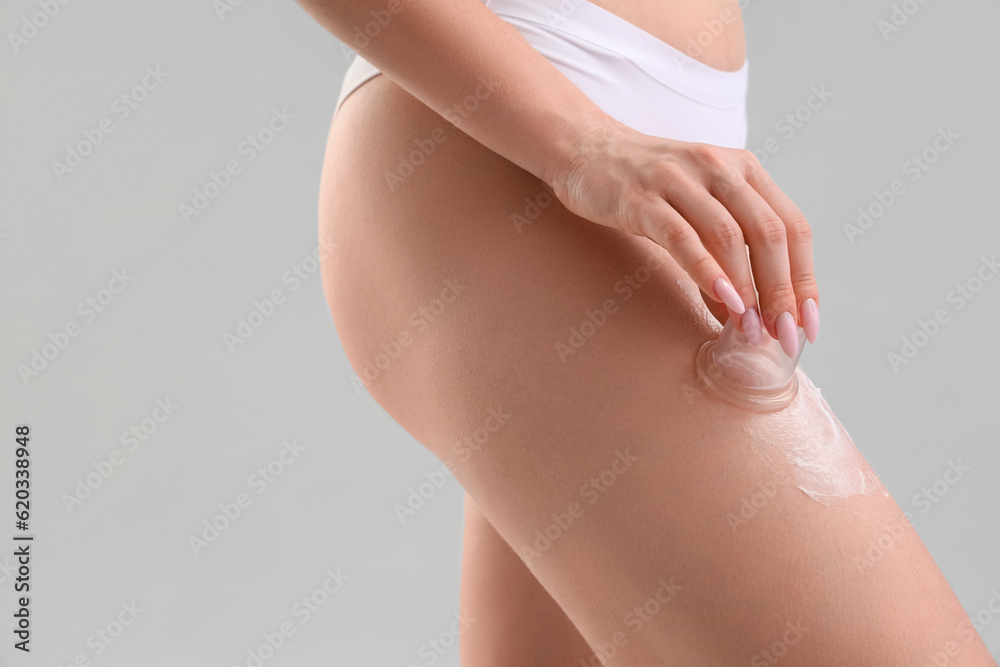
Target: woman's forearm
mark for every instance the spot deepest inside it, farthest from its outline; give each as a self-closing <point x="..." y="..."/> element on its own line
<point x="443" y="51"/>
<point x="703" y="204"/>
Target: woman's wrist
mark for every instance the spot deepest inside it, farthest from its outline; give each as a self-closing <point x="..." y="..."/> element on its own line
<point x="590" y="137"/>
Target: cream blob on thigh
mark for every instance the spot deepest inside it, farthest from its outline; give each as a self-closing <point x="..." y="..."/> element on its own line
<point x="813" y="447"/>
<point x="805" y="437"/>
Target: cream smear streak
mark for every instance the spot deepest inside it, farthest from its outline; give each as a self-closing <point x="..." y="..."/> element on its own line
<point x="826" y="464"/>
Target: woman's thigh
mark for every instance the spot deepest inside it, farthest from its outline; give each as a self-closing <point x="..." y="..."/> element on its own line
<point x="550" y="362"/>
<point x="512" y="619"/>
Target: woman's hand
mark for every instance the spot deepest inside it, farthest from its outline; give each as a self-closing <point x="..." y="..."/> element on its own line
<point x="704" y="205"/>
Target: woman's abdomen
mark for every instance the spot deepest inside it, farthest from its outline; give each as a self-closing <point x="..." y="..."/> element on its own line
<point x="710" y="31"/>
<point x="651" y="81"/>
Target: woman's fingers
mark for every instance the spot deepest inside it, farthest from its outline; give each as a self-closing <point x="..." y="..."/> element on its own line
<point x="767" y="237"/>
<point x="719" y="310"/>
<point x="723" y="238"/>
<point x="660" y="222"/>
<point x="707" y="206"/>
<point x="800" y="253"/>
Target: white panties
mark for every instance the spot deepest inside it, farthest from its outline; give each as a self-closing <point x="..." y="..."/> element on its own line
<point x="633" y="76"/>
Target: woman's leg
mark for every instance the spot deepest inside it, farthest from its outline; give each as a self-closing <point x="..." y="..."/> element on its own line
<point x="550" y="361"/>
<point x="513" y="619"/>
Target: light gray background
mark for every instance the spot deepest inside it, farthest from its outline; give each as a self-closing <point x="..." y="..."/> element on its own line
<point x="333" y="507"/>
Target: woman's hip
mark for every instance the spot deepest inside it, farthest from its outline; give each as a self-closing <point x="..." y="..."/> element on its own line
<point x="442" y="256"/>
<point x="548" y="362"/>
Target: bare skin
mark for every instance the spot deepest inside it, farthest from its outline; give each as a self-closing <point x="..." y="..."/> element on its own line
<point x="516" y="620"/>
<point x="794" y="578"/>
<point x="678" y="22"/>
<point x="492" y="347"/>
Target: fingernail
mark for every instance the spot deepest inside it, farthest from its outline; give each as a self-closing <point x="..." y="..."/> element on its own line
<point x="751" y="327"/>
<point x="810" y="319"/>
<point x="725" y="291"/>
<point x="789" y="339"/>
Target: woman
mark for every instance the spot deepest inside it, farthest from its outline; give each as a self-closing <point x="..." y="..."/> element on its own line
<point x="525" y="220"/>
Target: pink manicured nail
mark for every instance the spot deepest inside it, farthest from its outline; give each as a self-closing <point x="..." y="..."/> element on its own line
<point x="751" y="327"/>
<point x="787" y="336"/>
<point x="725" y="291"/>
<point x="810" y="319"/>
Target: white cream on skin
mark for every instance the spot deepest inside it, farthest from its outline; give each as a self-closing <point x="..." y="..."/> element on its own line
<point x="826" y="465"/>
